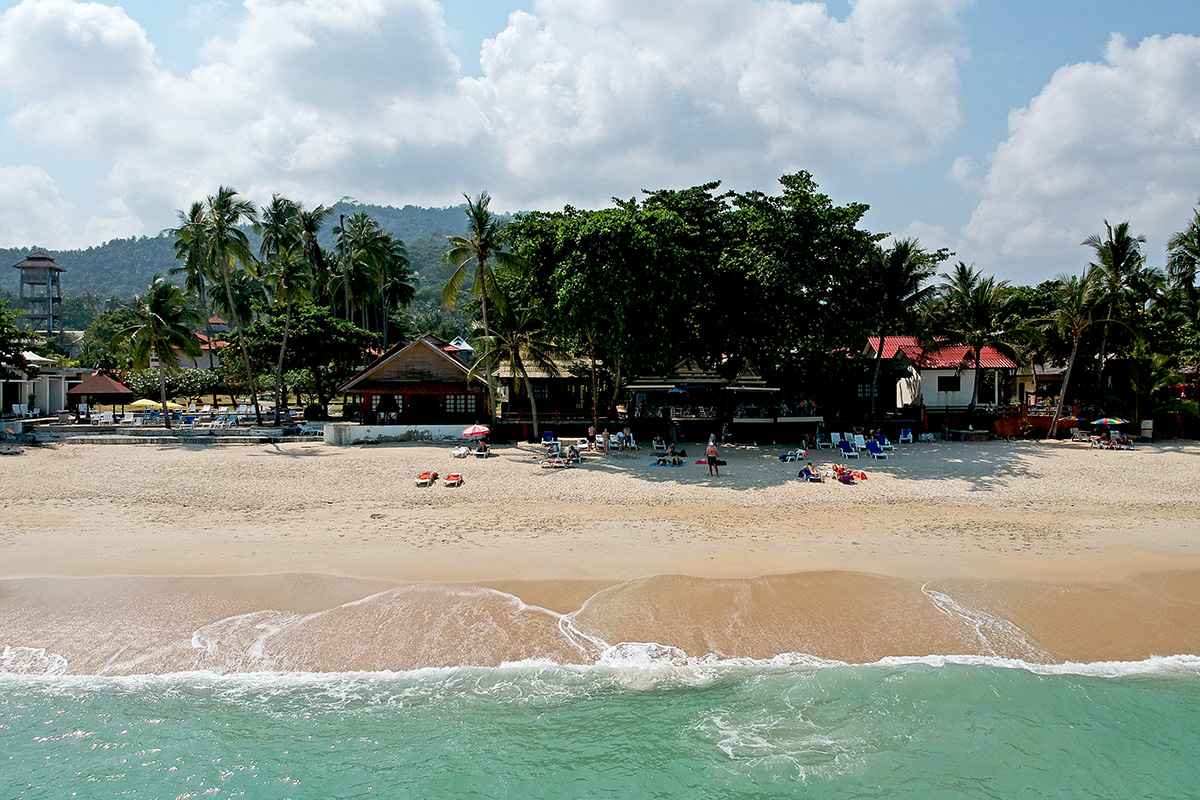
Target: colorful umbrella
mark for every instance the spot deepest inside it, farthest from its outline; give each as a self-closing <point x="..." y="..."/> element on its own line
<point x="476" y="431"/>
<point x="1111" y="421"/>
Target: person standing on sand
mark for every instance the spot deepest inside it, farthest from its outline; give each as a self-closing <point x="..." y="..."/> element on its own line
<point x="711" y="453"/>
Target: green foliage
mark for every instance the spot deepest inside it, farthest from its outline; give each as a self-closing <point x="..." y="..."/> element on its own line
<point x="329" y="349"/>
<point x="100" y="347"/>
<point x="179" y="382"/>
<point x="14" y="341"/>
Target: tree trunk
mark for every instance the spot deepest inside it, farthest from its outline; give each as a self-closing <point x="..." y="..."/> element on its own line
<point x="384" y="319"/>
<point x="1062" y="397"/>
<point x="616" y="384"/>
<point x="487" y="365"/>
<point x="595" y="383"/>
<point x="532" y="402"/>
<point x="319" y="386"/>
<point x="242" y="345"/>
<point x="975" y="383"/>
<point x="212" y="345"/>
<point x="878" y="364"/>
<point x="280" y="394"/>
<point x="162" y="390"/>
<point x="1103" y="349"/>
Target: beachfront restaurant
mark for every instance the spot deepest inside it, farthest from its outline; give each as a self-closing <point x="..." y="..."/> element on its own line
<point x="423" y="384"/>
<point x="698" y="401"/>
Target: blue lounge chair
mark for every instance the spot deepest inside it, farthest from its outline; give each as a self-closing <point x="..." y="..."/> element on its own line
<point x="847" y="449"/>
<point x="875" y="450"/>
<point x="906" y="435"/>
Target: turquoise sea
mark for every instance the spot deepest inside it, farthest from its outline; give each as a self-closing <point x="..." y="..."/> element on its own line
<point x="641" y="724"/>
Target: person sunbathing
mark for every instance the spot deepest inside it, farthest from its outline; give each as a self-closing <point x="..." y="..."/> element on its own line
<point x="810" y="472"/>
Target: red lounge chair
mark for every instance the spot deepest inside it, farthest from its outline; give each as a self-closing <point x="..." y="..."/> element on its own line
<point x="426" y="478"/>
<point x="453" y="479"/>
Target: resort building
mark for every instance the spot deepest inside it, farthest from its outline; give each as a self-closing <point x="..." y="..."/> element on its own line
<point x="424" y="382"/>
<point x="942" y="378"/>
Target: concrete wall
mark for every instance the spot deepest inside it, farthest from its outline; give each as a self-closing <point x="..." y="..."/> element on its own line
<point x="344" y="434"/>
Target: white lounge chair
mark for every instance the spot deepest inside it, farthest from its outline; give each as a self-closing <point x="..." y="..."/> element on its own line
<point x="835" y="440"/>
<point x="860" y="442"/>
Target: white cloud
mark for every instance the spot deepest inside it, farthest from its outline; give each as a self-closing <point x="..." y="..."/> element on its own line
<point x="579" y="99"/>
<point x="31" y="210"/>
<point x="589" y="95"/>
<point x="1116" y="140"/>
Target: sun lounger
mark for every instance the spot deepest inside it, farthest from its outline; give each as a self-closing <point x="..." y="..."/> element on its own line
<point x="453" y="479"/>
<point x="847" y="449"/>
<point x="808" y="477"/>
<point x="426" y="479"/>
<point x="312" y="428"/>
<point x="460" y="452"/>
<point x="883" y="443"/>
<point x="905" y="436"/>
<point x="860" y="442"/>
<point x="555" y="463"/>
<point x="875" y="450"/>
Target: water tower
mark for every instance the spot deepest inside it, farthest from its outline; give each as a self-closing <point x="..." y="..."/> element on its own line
<point x="41" y="293"/>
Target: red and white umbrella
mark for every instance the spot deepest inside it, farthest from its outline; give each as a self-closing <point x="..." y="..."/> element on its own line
<point x="475" y="431"/>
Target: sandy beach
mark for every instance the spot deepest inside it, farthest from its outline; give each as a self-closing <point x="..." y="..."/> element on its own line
<point x="141" y="558"/>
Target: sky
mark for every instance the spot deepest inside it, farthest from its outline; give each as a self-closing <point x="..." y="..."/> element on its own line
<point x="1005" y="130"/>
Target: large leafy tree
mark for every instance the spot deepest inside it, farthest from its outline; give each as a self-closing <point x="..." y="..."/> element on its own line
<point x="975" y="311"/>
<point x="900" y="284"/>
<point x="163" y="327"/>
<point x="227" y="247"/>
<point x="328" y="348"/>
<point x="481" y="252"/>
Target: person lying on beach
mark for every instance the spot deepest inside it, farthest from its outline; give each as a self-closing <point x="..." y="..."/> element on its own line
<point x="810" y="471"/>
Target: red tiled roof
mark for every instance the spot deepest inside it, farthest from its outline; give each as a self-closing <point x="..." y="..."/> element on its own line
<point x="948" y="357"/>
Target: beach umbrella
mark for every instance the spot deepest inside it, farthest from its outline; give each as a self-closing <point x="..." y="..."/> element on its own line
<point x="1111" y="421"/>
<point x="475" y="431"/>
<point x="143" y="403"/>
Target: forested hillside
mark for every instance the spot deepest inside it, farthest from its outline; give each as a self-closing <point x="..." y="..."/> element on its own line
<point x="125" y="266"/>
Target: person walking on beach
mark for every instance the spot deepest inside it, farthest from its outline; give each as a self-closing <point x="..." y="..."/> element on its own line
<point x="711" y="453"/>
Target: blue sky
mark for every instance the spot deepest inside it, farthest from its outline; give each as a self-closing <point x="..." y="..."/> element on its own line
<point x="1006" y="131"/>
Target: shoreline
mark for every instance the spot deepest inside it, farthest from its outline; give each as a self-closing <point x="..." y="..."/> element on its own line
<point x="1089" y="555"/>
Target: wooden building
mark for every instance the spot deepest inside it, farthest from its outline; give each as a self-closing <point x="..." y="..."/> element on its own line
<point x="423" y="382"/>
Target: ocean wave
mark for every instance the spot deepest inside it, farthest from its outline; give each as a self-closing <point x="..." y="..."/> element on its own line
<point x="632" y="666"/>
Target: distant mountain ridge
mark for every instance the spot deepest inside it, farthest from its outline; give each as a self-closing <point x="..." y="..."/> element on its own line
<point x="125" y="266"/>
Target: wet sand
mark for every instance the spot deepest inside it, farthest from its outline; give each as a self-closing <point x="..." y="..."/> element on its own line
<point x="127" y="559"/>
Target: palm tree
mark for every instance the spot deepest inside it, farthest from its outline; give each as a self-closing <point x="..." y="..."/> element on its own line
<point x="190" y="249"/>
<point x="483" y="248"/>
<point x="396" y="286"/>
<point x="366" y="249"/>
<point x="519" y="338"/>
<point x="162" y="328"/>
<point x="227" y="244"/>
<point x="310" y="223"/>
<point x="1118" y="263"/>
<point x="899" y="275"/>
<point x="974" y="311"/>
<point x="1183" y="263"/>
<point x="279" y="226"/>
<point x="1072" y="317"/>
<point x="286" y="276"/>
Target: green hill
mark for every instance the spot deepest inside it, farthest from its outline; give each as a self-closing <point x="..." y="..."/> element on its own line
<point x="125" y="266"/>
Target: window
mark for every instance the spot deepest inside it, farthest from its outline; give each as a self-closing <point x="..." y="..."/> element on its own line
<point x="866" y="390"/>
<point x="949" y="383"/>
<point x="460" y="404"/>
<point x="541" y="391"/>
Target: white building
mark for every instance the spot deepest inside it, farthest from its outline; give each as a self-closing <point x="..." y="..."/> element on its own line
<point x="943" y="378"/>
